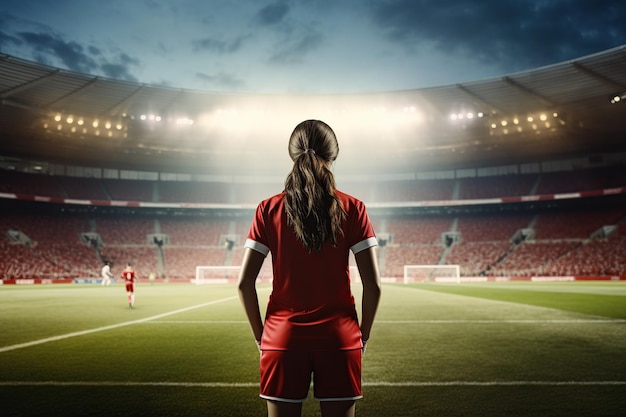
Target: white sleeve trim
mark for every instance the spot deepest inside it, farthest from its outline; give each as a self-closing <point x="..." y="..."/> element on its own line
<point x="259" y="247"/>
<point x="364" y="244"/>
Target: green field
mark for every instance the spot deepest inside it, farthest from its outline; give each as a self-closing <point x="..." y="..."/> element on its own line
<point x="493" y="349"/>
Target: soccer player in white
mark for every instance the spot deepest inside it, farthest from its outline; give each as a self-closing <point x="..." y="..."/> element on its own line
<point x="106" y="274"/>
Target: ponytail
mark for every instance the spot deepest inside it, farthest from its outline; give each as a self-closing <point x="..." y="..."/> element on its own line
<point x="311" y="205"/>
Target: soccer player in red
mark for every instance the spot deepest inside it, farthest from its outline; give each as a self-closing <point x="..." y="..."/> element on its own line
<point x="311" y="325"/>
<point x="128" y="274"/>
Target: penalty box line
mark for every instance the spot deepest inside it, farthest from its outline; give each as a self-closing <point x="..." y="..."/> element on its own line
<point x="110" y="327"/>
<point x="381" y="384"/>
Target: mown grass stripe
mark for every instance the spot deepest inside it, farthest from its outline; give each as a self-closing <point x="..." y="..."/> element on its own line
<point x="558" y="321"/>
<point x="256" y="384"/>
<point x="110" y="327"/>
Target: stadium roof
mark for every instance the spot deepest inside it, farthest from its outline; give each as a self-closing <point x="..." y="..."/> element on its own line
<point x="563" y="110"/>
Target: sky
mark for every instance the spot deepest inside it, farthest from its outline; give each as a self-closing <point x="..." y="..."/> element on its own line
<point x="307" y="46"/>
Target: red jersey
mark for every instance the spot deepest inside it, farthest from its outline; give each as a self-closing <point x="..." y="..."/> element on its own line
<point x="311" y="306"/>
<point x="129" y="275"/>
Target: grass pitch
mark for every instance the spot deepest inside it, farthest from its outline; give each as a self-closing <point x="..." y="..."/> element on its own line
<point x="494" y="349"/>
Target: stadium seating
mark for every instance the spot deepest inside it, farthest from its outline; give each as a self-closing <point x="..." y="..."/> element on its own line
<point x="129" y="190"/>
<point x="566" y="182"/>
<point x="414" y="190"/>
<point x="181" y="261"/>
<point x="417" y="230"/>
<point x="125" y="230"/>
<point x="497" y="186"/>
<point x="194" y="192"/>
<point x="30" y="184"/>
<point x="396" y="256"/>
<point x="193" y="231"/>
<point x="566" y="239"/>
<point x="83" y="188"/>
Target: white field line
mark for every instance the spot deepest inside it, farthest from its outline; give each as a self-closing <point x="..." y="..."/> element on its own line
<point x="199" y="322"/>
<point x="110" y="327"/>
<point x="256" y="384"/>
<point x="559" y="321"/>
<point x="491" y="383"/>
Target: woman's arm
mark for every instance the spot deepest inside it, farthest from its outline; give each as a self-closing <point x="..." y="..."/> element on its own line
<point x="370" y="277"/>
<point x="250" y="267"/>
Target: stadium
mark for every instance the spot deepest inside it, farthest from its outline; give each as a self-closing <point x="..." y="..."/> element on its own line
<point x="499" y="206"/>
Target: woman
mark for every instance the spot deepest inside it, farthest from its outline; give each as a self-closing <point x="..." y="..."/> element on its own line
<point x="311" y="324"/>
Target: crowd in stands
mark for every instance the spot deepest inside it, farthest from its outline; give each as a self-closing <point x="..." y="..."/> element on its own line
<point x="193" y="232"/>
<point x="53" y="246"/>
<point x="574" y="241"/>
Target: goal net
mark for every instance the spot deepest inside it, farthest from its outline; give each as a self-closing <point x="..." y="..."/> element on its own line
<point x="431" y="273"/>
<point x="216" y="274"/>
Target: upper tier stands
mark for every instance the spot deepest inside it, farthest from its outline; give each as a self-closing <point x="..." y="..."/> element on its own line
<point x="412" y="190"/>
<point x="125" y="190"/>
<point x="199" y="192"/>
<point x="82" y="188"/>
<point x="567" y="182"/>
<point x="220" y="192"/>
<point x="30" y="184"/>
<point x="501" y="186"/>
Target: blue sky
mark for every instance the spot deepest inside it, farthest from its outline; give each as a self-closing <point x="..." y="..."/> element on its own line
<point x="306" y="46"/>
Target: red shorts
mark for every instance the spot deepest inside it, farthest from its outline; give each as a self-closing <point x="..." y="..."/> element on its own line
<point x="286" y="375"/>
<point x="130" y="287"/>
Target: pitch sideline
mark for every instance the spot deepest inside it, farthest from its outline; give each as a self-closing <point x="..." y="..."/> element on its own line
<point x="521" y="321"/>
<point x="110" y="327"/>
<point x="256" y="384"/>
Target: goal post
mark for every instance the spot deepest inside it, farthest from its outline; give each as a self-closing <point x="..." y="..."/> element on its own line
<point x="213" y="274"/>
<point x="432" y="273"/>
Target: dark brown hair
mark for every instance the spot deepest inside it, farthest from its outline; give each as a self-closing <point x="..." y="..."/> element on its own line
<point x="312" y="208"/>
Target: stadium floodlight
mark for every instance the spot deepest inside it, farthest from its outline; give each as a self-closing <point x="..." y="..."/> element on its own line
<point x="469" y="115"/>
<point x="618" y="98"/>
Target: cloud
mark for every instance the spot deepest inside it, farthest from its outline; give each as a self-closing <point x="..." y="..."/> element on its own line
<point x="272" y="14"/>
<point x="51" y="49"/>
<point x="295" y="49"/>
<point x="220" y="80"/>
<point x="70" y="54"/>
<point x="38" y="42"/>
<point x="512" y="34"/>
<point x="7" y="41"/>
<point x="219" y="46"/>
<point x="120" y="67"/>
